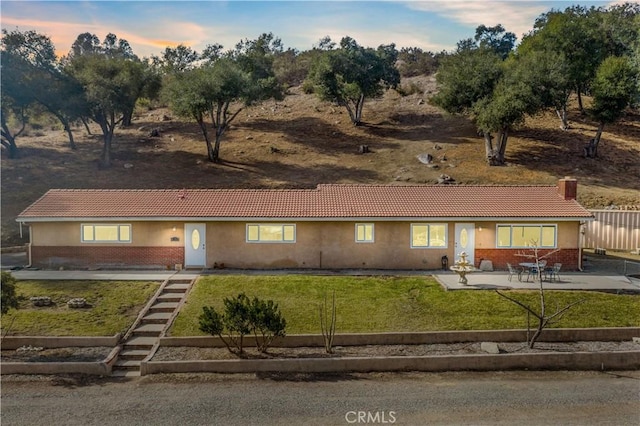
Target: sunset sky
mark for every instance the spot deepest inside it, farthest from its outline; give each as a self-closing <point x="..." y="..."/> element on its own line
<point x="150" y="26"/>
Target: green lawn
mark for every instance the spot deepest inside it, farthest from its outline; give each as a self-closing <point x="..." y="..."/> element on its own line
<point x="114" y="306"/>
<point x="379" y="304"/>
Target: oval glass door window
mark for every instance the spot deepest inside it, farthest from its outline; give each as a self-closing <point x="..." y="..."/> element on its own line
<point x="464" y="239"/>
<point x="195" y="239"/>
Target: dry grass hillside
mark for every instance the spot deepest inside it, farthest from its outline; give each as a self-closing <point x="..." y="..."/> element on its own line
<point x="302" y="141"/>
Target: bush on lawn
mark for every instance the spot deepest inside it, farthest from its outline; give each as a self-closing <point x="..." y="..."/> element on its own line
<point x="243" y="316"/>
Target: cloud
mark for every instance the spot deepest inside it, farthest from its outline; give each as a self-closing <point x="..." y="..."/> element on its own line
<point x="517" y="17"/>
<point x="144" y="43"/>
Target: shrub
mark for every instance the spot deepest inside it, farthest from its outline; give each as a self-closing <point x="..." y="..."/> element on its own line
<point x="266" y="319"/>
<point x="241" y="317"/>
<point x="9" y="298"/>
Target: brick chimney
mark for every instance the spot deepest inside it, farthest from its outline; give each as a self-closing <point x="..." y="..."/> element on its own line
<point x="568" y="188"/>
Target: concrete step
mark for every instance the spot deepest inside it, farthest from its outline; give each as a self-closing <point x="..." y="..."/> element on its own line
<point x="133" y="354"/>
<point x="156" y="318"/>
<point x="176" y="287"/>
<point x="151" y="330"/>
<point x="163" y="307"/>
<point x="140" y="343"/>
<point x="179" y="281"/>
<point x="127" y="364"/>
<point x="169" y="297"/>
<point x="125" y="373"/>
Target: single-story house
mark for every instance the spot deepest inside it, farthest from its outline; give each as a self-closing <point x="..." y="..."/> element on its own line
<point x="331" y="226"/>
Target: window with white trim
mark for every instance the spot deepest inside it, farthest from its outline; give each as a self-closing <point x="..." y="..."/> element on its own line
<point x="429" y="235"/>
<point x="271" y="233"/>
<point x="364" y="232"/>
<point x="99" y="233"/>
<point x="523" y="236"/>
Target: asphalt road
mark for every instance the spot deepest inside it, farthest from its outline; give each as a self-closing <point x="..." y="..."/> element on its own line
<point x="499" y="398"/>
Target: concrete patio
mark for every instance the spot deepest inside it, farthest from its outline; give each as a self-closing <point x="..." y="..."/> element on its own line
<point x="569" y="281"/>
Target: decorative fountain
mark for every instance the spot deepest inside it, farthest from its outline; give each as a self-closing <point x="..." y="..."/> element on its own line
<point x="462" y="267"/>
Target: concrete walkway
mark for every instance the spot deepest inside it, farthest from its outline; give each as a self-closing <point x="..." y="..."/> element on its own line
<point x="449" y="280"/>
<point x="102" y="275"/>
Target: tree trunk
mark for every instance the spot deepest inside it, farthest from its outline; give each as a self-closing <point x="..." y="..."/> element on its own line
<point x="488" y="144"/>
<point x="106" y="146"/>
<point x="562" y="115"/>
<point x="359" y="106"/>
<point x="8" y="139"/>
<point x="352" y="114"/>
<point x="495" y="154"/>
<point x="127" y="117"/>
<point x="591" y="149"/>
<point x="10" y="145"/>
<point x="502" y="147"/>
<point x="107" y="125"/>
<point x="580" y="106"/>
<point x="72" y="143"/>
<point x="211" y="155"/>
<point x="86" y="125"/>
<point x="67" y="128"/>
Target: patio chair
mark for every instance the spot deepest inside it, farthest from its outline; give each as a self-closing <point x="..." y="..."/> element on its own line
<point x="513" y="271"/>
<point x="553" y="272"/>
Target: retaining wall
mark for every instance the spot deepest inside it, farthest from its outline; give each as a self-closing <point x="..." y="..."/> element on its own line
<point x="98" y="368"/>
<point x="536" y="361"/>
<point x="432" y="337"/>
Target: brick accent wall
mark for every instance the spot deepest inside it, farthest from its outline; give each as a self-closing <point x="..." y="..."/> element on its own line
<point x="106" y="256"/>
<point x="500" y="257"/>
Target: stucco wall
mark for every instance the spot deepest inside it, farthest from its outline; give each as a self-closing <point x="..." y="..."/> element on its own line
<point x="323" y="245"/>
<point x="143" y="234"/>
<point x="317" y="245"/>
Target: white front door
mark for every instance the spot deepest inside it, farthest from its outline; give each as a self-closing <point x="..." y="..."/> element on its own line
<point x="195" y="253"/>
<point x="465" y="241"/>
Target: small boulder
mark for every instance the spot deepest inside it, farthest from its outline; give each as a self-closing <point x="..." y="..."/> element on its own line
<point x="490" y="347"/>
<point x="486" y="265"/>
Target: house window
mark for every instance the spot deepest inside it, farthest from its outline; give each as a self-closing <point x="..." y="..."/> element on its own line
<point x="364" y="232"/>
<point x="272" y="233"/>
<point x="522" y="236"/>
<point x="106" y="233"/>
<point x="429" y="235"/>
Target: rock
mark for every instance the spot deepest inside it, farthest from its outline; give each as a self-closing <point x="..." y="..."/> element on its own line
<point x="437" y="147"/>
<point x="363" y="149"/>
<point x="433" y="166"/>
<point x="636" y="340"/>
<point x="128" y="165"/>
<point x="486" y="265"/>
<point x="154" y="133"/>
<point x="425" y="158"/>
<point x="77" y="302"/>
<point x="490" y="347"/>
<point x="445" y="179"/>
<point x="420" y="101"/>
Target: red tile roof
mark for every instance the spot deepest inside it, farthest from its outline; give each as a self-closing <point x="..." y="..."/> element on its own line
<point x="326" y="201"/>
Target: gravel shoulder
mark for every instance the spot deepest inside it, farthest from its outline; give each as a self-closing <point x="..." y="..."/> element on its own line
<point x="197" y="353"/>
<point x="69" y="354"/>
